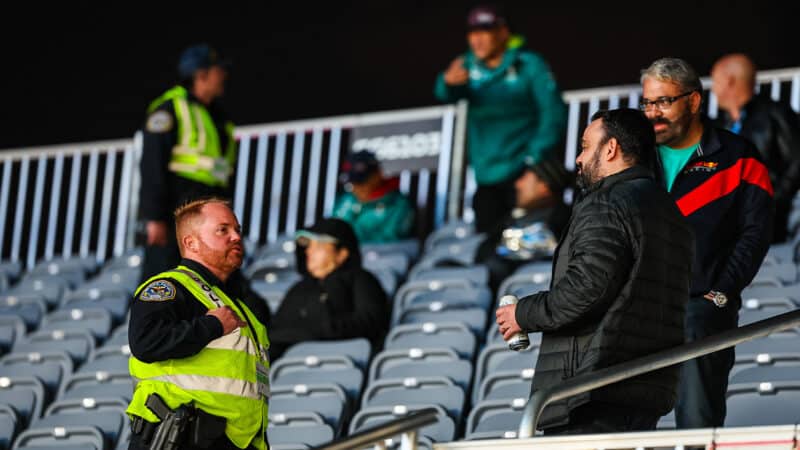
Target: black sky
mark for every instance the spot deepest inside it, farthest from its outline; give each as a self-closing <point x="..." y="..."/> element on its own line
<point x="87" y="72"/>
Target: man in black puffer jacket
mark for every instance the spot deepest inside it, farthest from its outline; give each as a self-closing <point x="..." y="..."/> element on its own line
<point x="620" y="285"/>
<point x="336" y="299"/>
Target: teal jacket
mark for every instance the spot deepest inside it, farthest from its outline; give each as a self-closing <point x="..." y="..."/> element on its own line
<point x="386" y="217"/>
<point x="515" y="112"/>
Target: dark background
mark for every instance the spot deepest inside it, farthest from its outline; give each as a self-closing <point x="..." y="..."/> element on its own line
<point x="81" y="71"/>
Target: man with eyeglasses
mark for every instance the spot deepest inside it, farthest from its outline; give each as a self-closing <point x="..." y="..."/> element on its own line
<point x="724" y="192"/>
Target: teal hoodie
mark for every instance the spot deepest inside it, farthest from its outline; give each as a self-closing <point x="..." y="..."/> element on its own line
<point x="516" y="112"/>
<point x="386" y="217"/>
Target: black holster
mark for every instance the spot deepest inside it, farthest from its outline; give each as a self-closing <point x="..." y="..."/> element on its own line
<point x="185" y="425"/>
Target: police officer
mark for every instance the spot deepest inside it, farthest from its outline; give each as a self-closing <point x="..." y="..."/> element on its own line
<point x="196" y="344"/>
<point x="188" y="151"/>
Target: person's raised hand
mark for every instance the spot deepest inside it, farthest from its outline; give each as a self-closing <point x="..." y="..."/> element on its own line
<point x="507" y="321"/>
<point x="456" y="74"/>
<point x="229" y="320"/>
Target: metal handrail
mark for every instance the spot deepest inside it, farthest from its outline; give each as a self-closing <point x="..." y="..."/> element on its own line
<point x="408" y="424"/>
<point x="587" y="382"/>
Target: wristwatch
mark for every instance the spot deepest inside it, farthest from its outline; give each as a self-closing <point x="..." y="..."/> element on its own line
<point x="719" y="299"/>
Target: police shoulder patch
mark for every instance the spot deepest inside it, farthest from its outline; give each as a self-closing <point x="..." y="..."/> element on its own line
<point x="158" y="291"/>
<point x="159" y="122"/>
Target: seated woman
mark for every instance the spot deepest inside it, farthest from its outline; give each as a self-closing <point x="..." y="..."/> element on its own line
<point x="336" y="299"/>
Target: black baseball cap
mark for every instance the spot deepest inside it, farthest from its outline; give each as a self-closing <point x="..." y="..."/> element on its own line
<point x="484" y="17"/>
<point x="359" y="166"/>
<point x="328" y="230"/>
<point x="197" y="57"/>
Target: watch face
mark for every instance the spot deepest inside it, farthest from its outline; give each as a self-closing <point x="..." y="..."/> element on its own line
<point x="720" y="299"/>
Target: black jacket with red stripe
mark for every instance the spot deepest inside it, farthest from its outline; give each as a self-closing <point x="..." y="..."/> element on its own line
<point x="725" y="193"/>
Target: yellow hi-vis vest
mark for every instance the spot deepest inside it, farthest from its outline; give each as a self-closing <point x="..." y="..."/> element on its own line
<point x="222" y="379"/>
<point x="198" y="154"/>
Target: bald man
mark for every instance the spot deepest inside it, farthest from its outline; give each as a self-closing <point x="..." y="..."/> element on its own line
<point x="196" y="341"/>
<point x="773" y="127"/>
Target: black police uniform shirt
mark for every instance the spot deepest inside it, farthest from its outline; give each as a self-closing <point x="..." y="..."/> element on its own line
<point x="162" y="190"/>
<point x="174" y="324"/>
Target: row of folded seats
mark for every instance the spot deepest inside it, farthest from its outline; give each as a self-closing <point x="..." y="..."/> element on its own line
<point x="64" y="339"/>
<point x="64" y="377"/>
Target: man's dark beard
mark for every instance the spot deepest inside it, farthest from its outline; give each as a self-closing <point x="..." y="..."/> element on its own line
<point x="587" y="176"/>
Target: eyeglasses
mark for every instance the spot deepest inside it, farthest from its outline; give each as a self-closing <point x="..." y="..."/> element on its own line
<point x="662" y="103"/>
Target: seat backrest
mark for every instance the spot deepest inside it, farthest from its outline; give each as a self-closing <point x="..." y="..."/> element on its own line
<point x="12" y="329"/>
<point x="531" y="282"/>
<point x="397" y="262"/>
<point x="49" y="367"/>
<point x="96" y="320"/>
<point x="99" y="384"/>
<point x="421" y="363"/>
<point x="328" y="400"/>
<point x="318" y="369"/>
<point x="454" y="335"/>
<point x="416" y="286"/>
<point x="51" y="287"/>
<point x="441" y="431"/>
<point x="9" y="425"/>
<point x="357" y="349"/>
<point x="311" y="435"/>
<point x="70" y="438"/>
<point x="25" y="394"/>
<point x="77" y="343"/>
<point x="474" y="318"/>
<point x="437" y="390"/>
<point x="506" y="385"/>
<point x="766" y="403"/>
<point x="30" y="308"/>
<point x="108" y="359"/>
<point x="478" y="274"/>
<point x="113" y="299"/>
<point x="761" y="374"/>
<point x="498" y="357"/>
<point x="787" y="342"/>
<point x="495" y="415"/>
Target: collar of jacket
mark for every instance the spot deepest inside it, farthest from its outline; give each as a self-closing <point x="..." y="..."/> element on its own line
<point x="203" y="272"/>
<point x="630" y="173"/>
<point x="709" y="142"/>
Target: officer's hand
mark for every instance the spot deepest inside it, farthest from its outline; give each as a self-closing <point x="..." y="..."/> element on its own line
<point x="507" y="321"/>
<point x="229" y="320"/>
<point x="157" y="232"/>
<point x="456" y="74"/>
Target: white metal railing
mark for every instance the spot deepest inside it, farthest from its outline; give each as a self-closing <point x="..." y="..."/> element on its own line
<point x="82" y="199"/>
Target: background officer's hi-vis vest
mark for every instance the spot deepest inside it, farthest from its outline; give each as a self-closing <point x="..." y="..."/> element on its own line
<point x="198" y="154"/>
<point x="229" y="378"/>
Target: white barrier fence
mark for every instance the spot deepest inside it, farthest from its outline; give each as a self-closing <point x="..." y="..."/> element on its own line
<point x="81" y="199"/>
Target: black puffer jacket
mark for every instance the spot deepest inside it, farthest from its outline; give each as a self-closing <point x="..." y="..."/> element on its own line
<point x="348" y="303"/>
<point x="619" y="291"/>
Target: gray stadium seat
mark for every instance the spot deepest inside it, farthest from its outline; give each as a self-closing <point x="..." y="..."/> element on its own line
<point x="443" y="430"/>
<point x="397" y="262"/>
<point x="51" y="368"/>
<point x="449" y="232"/>
<point x="12" y="328"/>
<point x="760" y="374"/>
<point x="386" y="277"/>
<point x="499" y="358"/>
<point x="31" y="308"/>
<point x="25" y="394"/>
<point x="412" y="288"/>
<point x="308" y="429"/>
<point x="265" y="271"/>
<point x="496" y="416"/>
<point x="71" y="438"/>
<point x="506" y="385"/>
<point x="766" y="360"/>
<point x="119" y="336"/>
<point x="115" y="300"/>
<point x="787" y="342"/>
<point x="96" y="385"/>
<point x="437" y="312"/>
<point x="95" y="320"/>
<point x="327" y="400"/>
<point x="785" y="272"/>
<point x="423" y="390"/>
<point x="478" y="296"/>
<point x="124" y="279"/>
<point x="50" y="287"/>
<point x="765" y="403"/>
<point x="523" y="284"/>
<point x="131" y="259"/>
<point x="318" y="369"/>
<point x="421" y="363"/>
<point x="77" y="343"/>
<point x="113" y="359"/>
<point x="459" y="252"/>
<point x="791" y="291"/>
<point x="108" y="416"/>
<point x="272" y="292"/>
<point x="9" y="426"/>
<point x="12" y="270"/>
<point x="357" y="349"/>
<point x="476" y="274"/>
<point x="667" y="421"/>
<point x="73" y="270"/>
<point x="409" y="247"/>
<point x="283" y="245"/>
<point x="454" y="335"/>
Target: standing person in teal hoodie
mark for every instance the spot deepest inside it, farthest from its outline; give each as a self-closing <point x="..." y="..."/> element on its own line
<point x="515" y="110"/>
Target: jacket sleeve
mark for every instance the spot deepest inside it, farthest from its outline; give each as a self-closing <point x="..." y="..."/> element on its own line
<point x="157" y="144"/>
<point x="159" y="330"/>
<point x="754" y="236"/>
<point x="369" y="317"/>
<point x="449" y="94"/>
<point x="599" y="261"/>
<point x="788" y="136"/>
<point x="552" y="110"/>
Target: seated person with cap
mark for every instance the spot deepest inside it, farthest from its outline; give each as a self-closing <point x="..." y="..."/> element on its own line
<point x="336" y="298"/>
<point x="371" y="203"/>
<point x="532" y="229"/>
